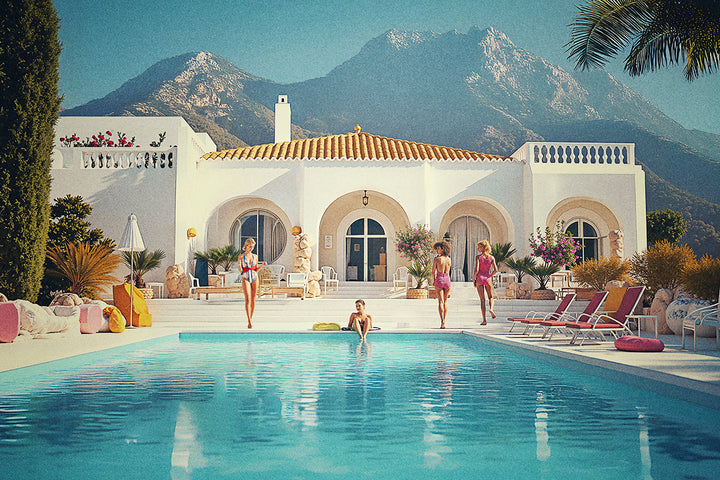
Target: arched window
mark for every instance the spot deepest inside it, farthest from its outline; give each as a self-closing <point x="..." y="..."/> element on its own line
<point x="586" y="234"/>
<point x="265" y="228"/>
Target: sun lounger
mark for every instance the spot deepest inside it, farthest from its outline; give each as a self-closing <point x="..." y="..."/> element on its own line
<point x="534" y="318"/>
<point x="207" y="291"/>
<point x="616" y="324"/>
<point x="560" y="324"/>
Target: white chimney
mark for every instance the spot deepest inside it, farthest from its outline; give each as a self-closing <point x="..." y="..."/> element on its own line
<point x="282" y="119"/>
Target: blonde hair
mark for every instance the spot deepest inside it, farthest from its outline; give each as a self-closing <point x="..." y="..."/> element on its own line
<point x="249" y="241"/>
<point x="485" y="246"/>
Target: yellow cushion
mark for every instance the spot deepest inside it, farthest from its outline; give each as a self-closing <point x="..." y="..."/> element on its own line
<point x="116" y="321"/>
<point x="326" y="326"/>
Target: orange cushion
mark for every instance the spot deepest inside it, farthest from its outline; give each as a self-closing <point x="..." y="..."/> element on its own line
<point x="140" y="315"/>
<point x="613" y="300"/>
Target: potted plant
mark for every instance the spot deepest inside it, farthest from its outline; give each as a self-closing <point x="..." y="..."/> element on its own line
<point x="520" y="267"/>
<point x="542" y="273"/>
<point x="143" y="262"/>
<point x="502" y="252"/>
<point x="421" y="272"/>
<point x="415" y="243"/>
<point x="557" y="250"/>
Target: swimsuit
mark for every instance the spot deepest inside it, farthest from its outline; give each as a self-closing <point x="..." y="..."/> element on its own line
<point x="483" y="274"/>
<point x="249" y="268"/>
<point x="442" y="280"/>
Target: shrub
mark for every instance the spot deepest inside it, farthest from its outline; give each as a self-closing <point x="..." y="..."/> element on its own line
<point x="542" y="273"/>
<point x="502" y="252"/>
<point x="665" y="225"/>
<point x="142" y="262"/>
<point x="702" y="279"/>
<point x="29" y="105"/>
<point x="556" y="246"/>
<point x="661" y="266"/>
<point x="597" y="273"/>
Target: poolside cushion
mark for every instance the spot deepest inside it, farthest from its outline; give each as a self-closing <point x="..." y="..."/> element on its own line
<point x="140" y="315"/>
<point x="116" y="322"/>
<point x="631" y="343"/>
<point x="9" y="322"/>
<point x="326" y="326"/>
<point x="91" y="318"/>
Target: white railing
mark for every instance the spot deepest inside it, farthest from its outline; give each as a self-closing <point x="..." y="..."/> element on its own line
<point x="574" y="153"/>
<point x="96" y="158"/>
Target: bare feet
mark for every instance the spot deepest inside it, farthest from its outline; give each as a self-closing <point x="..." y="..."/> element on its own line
<point x="493" y="314"/>
<point x="249" y="325"/>
<point x="442" y="325"/>
<point x="484" y="322"/>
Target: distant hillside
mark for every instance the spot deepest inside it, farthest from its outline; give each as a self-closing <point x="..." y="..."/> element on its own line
<point x="476" y="90"/>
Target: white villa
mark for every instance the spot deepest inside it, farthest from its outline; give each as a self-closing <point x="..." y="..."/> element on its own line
<point x="349" y="192"/>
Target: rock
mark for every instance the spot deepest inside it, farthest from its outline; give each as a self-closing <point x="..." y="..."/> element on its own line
<point x="214" y="281"/>
<point x="315" y="276"/>
<point x="302" y="265"/>
<point x="615" y="284"/>
<point x="678" y="310"/>
<point x="518" y="290"/>
<point x="69" y="299"/>
<point x="314" y="288"/>
<point x="662" y="299"/>
<point x="176" y="282"/>
<point x="303" y="253"/>
<point x="302" y="241"/>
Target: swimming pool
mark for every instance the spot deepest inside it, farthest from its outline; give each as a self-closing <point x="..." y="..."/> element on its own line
<point x="322" y="405"/>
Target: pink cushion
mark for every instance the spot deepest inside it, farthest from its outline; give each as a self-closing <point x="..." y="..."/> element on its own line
<point x="630" y="343"/>
<point x="9" y="322"/>
<point x="91" y="318"/>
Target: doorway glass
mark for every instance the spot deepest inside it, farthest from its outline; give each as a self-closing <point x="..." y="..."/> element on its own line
<point x="465" y="232"/>
<point x="365" y="253"/>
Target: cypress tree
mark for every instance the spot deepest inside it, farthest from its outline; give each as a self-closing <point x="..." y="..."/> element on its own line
<point x="29" y="105"/>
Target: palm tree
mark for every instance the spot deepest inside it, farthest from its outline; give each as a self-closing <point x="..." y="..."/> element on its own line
<point x="88" y="267"/>
<point x="659" y="33"/>
<point x="542" y="273"/>
<point x="501" y="252"/>
<point x="142" y="263"/>
<point x="227" y="255"/>
<point x="520" y="266"/>
<point x="211" y="257"/>
<point x="420" y="271"/>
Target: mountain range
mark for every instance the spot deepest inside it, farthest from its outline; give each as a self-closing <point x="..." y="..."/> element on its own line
<point x="474" y="90"/>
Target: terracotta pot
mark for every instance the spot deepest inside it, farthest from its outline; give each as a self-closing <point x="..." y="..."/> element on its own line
<point x="147" y="293"/>
<point x="546" y="294"/>
<point x="417" y="293"/>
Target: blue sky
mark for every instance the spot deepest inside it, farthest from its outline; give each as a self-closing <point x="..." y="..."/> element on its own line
<point x="106" y="44"/>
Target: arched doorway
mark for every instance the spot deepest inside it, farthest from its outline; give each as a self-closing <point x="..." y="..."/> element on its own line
<point x="366" y="251"/>
<point x="465" y="232"/>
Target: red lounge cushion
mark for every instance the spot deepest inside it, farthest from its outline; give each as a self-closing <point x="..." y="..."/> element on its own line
<point x="516" y="319"/>
<point x="555" y="323"/>
<point x="581" y="325"/>
<point x="630" y="343"/>
<point x="532" y="320"/>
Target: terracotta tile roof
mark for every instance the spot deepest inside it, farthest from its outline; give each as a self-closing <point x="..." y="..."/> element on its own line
<point x="354" y="146"/>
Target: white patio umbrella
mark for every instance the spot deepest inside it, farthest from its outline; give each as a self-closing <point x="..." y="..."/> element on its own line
<point x="132" y="241"/>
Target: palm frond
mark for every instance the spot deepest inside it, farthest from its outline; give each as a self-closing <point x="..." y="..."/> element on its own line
<point x="88" y="267"/>
<point x="502" y="251"/>
<point x="603" y="28"/>
<point x="144" y="261"/>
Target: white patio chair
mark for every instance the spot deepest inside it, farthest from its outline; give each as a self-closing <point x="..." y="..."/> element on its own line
<point x="708" y="316"/>
<point x="278" y="271"/>
<point x="193" y="282"/>
<point x="401" y="278"/>
<point x="296" y="279"/>
<point x="329" y="276"/>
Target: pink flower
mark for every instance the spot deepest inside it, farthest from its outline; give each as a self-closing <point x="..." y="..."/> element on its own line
<point x="109" y="133"/>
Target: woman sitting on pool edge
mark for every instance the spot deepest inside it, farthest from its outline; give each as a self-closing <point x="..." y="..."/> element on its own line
<point x="360" y="321"/>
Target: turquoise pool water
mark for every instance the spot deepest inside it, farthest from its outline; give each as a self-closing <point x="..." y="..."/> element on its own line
<point x="321" y="405"/>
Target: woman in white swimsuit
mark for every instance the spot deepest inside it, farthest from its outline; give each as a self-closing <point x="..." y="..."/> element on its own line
<point x="248" y="265"/>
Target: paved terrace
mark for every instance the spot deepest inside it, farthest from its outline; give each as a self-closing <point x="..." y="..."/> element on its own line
<point x="693" y="376"/>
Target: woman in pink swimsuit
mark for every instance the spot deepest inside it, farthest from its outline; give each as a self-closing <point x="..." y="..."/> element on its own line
<point x="485" y="268"/>
<point x="441" y="278"/>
